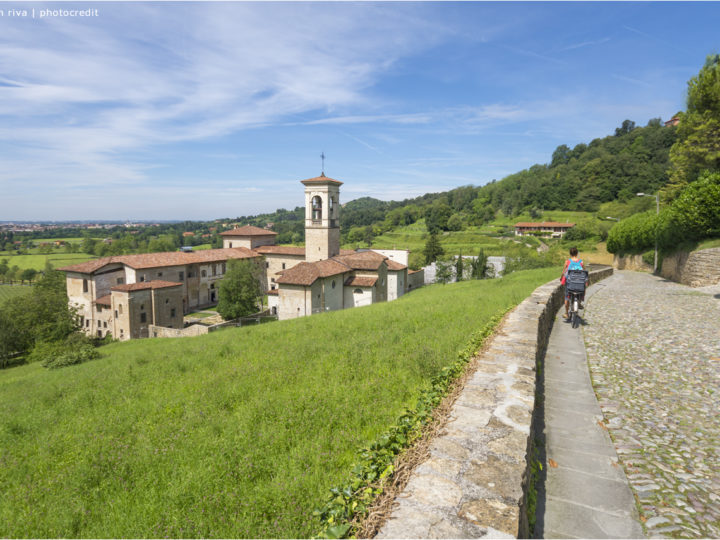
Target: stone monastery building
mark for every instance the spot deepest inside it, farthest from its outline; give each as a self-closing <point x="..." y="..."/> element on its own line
<point x="124" y="295"/>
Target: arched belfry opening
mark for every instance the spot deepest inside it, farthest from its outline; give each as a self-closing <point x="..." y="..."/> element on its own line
<point x="317" y="208"/>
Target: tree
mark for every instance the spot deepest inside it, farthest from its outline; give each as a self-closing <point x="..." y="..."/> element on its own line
<point x="459" y="268"/>
<point x="88" y="245"/>
<point x="432" y="249"/>
<point x="443" y="272"/>
<point x="39" y="317"/>
<point x="368" y="235"/>
<point x="698" y="145"/>
<point x="626" y="127"/>
<point x="560" y="155"/>
<point x="240" y="290"/>
<point x="28" y="275"/>
<point x="455" y="223"/>
<point x="478" y="267"/>
<point x="437" y="216"/>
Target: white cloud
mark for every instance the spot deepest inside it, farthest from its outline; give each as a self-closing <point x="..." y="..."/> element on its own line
<point x="78" y="96"/>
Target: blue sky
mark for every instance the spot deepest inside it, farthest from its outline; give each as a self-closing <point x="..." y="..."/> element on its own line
<point x="202" y="110"/>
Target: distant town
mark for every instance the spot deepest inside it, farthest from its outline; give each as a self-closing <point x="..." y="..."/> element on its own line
<point x="41" y="226"/>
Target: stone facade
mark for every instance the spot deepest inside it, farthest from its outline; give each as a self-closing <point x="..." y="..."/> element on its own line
<point x="344" y="281"/>
<point x="248" y="237"/>
<point x="322" y="218"/>
<point x="193" y="330"/>
<point x="377" y="277"/>
<point x="415" y="279"/>
<point x="631" y="262"/>
<point x="696" y="269"/>
<point x="93" y="287"/>
<point x="397" y="283"/>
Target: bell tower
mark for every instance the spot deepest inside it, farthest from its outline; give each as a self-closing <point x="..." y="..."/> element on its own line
<point x="322" y="218"/>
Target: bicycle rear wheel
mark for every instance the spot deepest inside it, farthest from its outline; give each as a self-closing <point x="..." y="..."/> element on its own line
<point x="575" y="319"/>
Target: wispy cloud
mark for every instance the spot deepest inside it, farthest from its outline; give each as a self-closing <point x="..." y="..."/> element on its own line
<point x="411" y="118"/>
<point x="632" y="80"/>
<point x="79" y="96"/>
<point x="584" y="44"/>
<point x="361" y="142"/>
<point x="534" y="54"/>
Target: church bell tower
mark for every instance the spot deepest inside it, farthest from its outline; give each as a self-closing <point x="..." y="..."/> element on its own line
<point x="322" y="218"/>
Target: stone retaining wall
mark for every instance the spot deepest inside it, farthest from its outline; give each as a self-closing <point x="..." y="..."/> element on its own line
<point x="696" y="269"/>
<point x="631" y="262"/>
<point x="475" y="483"/>
<point x="162" y="331"/>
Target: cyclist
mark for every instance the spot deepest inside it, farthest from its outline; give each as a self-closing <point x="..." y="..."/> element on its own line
<point x="573" y="263"/>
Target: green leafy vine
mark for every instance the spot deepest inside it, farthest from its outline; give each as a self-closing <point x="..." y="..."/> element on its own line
<point x="375" y="464"/>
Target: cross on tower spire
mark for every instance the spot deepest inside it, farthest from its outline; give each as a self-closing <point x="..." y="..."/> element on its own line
<point x="323" y="164"/>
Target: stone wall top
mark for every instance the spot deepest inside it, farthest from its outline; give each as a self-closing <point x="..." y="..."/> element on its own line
<point x="474" y="484"/>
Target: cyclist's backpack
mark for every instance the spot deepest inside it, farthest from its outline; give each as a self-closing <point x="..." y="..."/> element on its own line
<point x="575" y="265"/>
<point x="576" y="280"/>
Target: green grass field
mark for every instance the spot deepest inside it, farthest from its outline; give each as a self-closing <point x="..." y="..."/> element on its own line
<point x="58" y="260"/>
<point x="11" y="291"/>
<point x="236" y="434"/>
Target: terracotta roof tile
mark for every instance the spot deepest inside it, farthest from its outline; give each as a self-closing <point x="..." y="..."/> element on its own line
<point x="281" y="250"/>
<point x="306" y="273"/>
<point x="322" y="179"/>
<point x="89" y="267"/>
<point x="159" y="260"/>
<point x="248" y="230"/>
<point x="360" y="281"/>
<point x="545" y="224"/>
<point x="362" y="260"/>
<point x="392" y="265"/>
<point x="103" y="300"/>
<point x="155" y="284"/>
<point x="272" y="292"/>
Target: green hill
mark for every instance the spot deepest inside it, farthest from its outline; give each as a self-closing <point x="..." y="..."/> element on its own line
<point x="238" y="433"/>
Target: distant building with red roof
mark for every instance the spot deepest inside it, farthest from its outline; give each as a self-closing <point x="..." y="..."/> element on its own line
<point x="545" y="228"/>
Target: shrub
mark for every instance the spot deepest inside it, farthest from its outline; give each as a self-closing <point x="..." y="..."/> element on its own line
<point x="697" y="209"/>
<point x="694" y="215"/>
<point x="75" y="349"/>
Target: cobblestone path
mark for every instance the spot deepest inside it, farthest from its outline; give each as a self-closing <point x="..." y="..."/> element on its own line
<point x="654" y="352"/>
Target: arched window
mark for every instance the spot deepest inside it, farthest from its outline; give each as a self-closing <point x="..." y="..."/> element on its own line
<point x="357" y="291"/>
<point x="316" y="208"/>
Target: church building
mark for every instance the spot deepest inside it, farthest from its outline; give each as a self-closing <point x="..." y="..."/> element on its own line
<point x="124" y="295"/>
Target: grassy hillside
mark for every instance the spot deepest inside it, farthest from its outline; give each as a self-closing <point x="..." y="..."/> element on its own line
<point x="239" y="433"/>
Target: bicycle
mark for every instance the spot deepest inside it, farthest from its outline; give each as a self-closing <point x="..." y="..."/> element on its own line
<point x="575" y="283"/>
